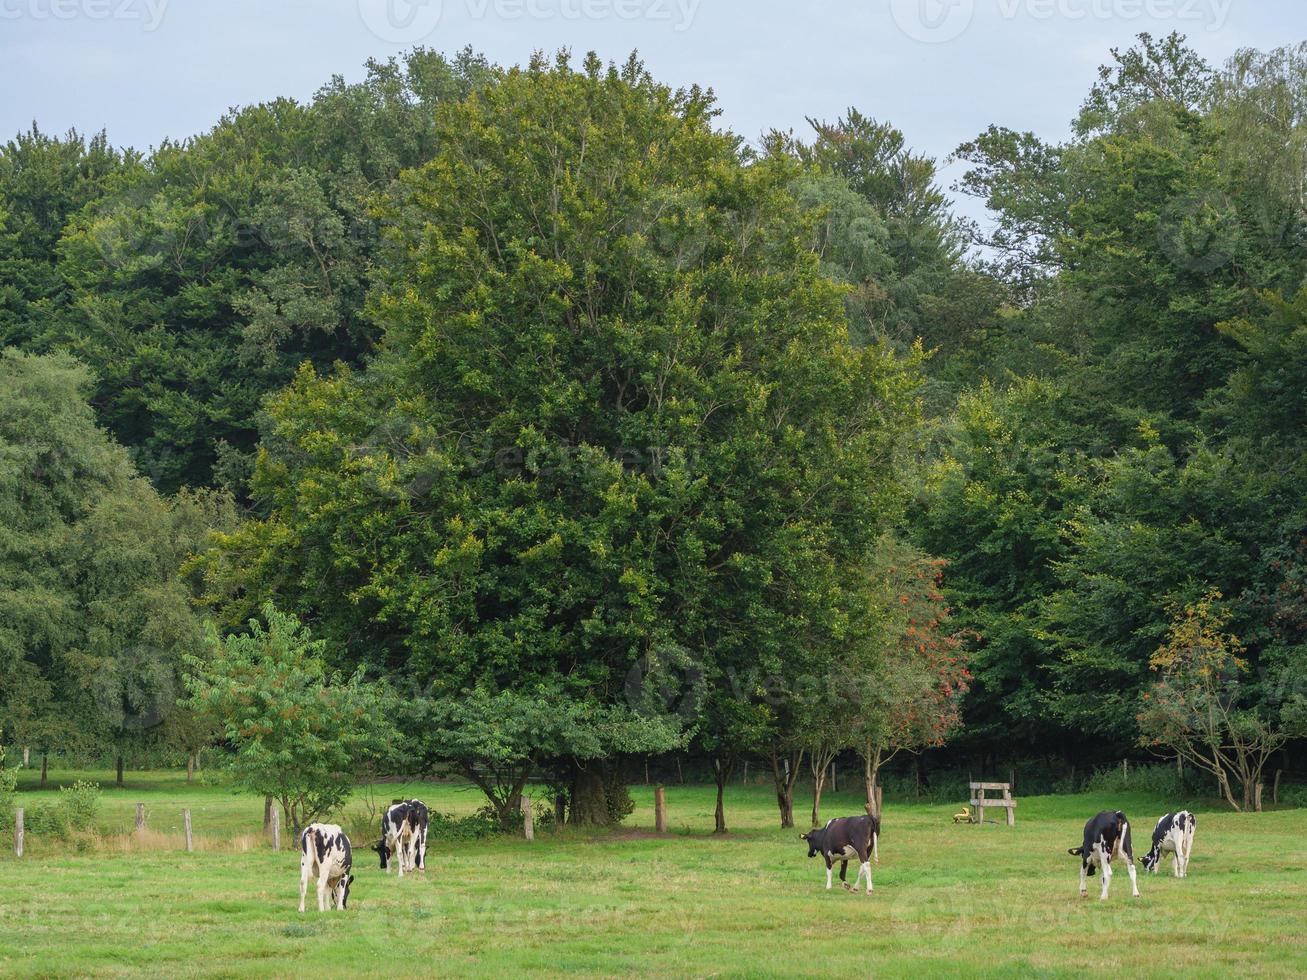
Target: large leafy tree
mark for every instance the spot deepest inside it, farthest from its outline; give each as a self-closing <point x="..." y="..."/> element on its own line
<point x="196" y="280"/>
<point x="617" y="429"/>
<point x="95" y="618"/>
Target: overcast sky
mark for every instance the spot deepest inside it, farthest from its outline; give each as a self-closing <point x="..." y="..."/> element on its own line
<point x="941" y="70"/>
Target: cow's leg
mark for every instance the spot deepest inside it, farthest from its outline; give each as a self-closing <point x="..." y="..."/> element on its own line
<point x="844" y="873"/>
<point x="400" y="852"/>
<point x="858" y="880"/>
<point x="875" y="847"/>
<point x="829" y="868"/>
<point x="1130" y="870"/>
<point x="322" y="890"/>
<point x="304" y="880"/>
<point x="1104" y="871"/>
<point x="1084" y="887"/>
<point x="1176" y="858"/>
<point x="866" y="866"/>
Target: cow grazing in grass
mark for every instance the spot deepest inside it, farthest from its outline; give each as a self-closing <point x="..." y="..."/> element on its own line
<point x="325" y="855"/>
<point x="1107" y="836"/>
<point x="843" y="839"/>
<point x="1174" y="835"/>
<point x="404" y="836"/>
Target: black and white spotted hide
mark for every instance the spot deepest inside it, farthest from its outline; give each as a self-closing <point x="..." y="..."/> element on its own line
<point x="325" y="856"/>
<point x="1174" y="835"/>
<point x="404" y="836"/>
<point x="845" y="839"/>
<point x="1107" y="837"/>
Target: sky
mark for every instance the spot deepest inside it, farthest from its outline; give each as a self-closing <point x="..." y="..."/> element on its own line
<point x="940" y="70"/>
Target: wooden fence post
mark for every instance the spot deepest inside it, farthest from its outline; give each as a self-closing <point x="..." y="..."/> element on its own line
<point x="276" y="828"/>
<point x="18" y="831"/>
<point x="660" y="810"/>
<point x="528" y="819"/>
<point x="880" y="800"/>
<point x="1257" y="797"/>
<point x="140" y="816"/>
<point x="186" y="822"/>
<point x="1275" y="788"/>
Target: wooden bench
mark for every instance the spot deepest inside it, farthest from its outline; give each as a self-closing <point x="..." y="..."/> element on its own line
<point x="980" y="801"/>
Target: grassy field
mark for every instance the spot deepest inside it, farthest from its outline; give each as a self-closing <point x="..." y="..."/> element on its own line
<point x="948" y="901"/>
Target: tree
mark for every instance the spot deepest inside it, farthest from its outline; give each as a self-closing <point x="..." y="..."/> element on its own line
<point x="617" y="427"/>
<point x="195" y="280"/>
<point x="899" y="683"/>
<point x="94" y="619"/>
<point x="1201" y="706"/>
<point x="298" y="732"/>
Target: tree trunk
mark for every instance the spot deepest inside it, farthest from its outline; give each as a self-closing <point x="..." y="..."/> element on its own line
<point x="560" y="809"/>
<point x="589" y="799"/>
<point x="190" y="766"/>
<point x="871" y="761"/>
<point x="119" y="782"/>
<point x="45" y="768"/>
<point x="267" y="811"/>
<point x="722" y="772"/>
<point x="818" y="782"/>
<point x="786" y="767"/>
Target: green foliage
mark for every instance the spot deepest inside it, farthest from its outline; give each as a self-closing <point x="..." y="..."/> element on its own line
<point x="196" y="280"/>
<point x="94" y="619"/>
<point x="80" y="804"/>
<point x="8" y="781"/>
<point x="618" y="430"/>
<point x="299" y="733"/>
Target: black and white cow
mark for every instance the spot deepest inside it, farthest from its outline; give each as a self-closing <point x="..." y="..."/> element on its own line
<point x="1174" y="835"/>
<point x="325" y="855"/>
<point x="843" y="839"/>
<point x="404" y="835"/>
<point x="1106" y="836"/>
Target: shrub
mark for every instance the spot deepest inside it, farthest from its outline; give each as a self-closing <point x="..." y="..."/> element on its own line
<point x="8" y="782"/>
<point x="483" y="824"/>
<point x="80" y="803"/>
<point x="1161" y="779"/>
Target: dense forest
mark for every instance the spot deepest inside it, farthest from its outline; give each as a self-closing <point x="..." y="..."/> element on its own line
<point x="524" y="423"/>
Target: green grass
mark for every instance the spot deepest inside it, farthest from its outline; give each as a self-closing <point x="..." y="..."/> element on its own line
<point x="948" y="900"/>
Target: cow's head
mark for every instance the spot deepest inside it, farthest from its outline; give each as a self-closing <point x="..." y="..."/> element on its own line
<point x="813" y="839"/>
<point x="342" y="890"/>
<point x="383" y="852"/>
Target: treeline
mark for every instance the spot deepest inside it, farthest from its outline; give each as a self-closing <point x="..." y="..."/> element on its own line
<point x="571" y="429"/>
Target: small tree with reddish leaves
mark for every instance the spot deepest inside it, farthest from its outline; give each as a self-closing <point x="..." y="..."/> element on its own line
<point x="898" y="689"/>
<point x="1201" y="705"/>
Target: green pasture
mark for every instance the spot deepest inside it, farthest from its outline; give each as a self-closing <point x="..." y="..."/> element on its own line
<point x="949" y="900"/>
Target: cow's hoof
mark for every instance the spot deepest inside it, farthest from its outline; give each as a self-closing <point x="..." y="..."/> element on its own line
<point x="847" y="886"/>
<point x="1084" y="894"/>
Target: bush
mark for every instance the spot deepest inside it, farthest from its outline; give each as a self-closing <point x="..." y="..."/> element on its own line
<point x="8" y="782"/>
<point x="480" y="826"/>
<point x="80" y="803"/>
<point x="1160" y="779"/>
<point x="362" y="826"/>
